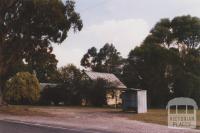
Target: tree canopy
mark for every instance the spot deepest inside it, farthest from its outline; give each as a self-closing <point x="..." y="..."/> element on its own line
<point x="182" y="32"/>
<point x="167" y="63"/>
<point x="29" y="27"/>
<point x="107" y="59"/>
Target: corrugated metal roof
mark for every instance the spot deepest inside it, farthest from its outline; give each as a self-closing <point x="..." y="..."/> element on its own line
<point x="111" y="78"/>
<point x="133" y="89"/>
<point x="43" y="85"/>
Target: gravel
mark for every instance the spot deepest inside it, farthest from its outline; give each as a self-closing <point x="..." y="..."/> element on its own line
<point x="94" y="119"/>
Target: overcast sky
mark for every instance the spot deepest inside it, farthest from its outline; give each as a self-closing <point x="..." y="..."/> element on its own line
<point x="125" y="23"/>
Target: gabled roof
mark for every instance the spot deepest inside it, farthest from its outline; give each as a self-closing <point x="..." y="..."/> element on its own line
<point x="109" y="77"/>
<point x="43" y="85"/>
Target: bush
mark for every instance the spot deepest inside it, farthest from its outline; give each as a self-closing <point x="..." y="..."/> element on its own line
<point x="94" y="92"/>
<point x="68" y="89"/>
<point x="53" y="95"/>
<point x="98" y="93"/>
<point x="64" y="93"/>
<point x="23" y="88"/>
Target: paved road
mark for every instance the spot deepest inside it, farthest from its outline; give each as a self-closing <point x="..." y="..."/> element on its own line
<point x="13" y="127"/>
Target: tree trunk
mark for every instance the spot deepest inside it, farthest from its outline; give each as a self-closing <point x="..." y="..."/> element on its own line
<point x="1" y="95"/>
<point x="2" y="85"/>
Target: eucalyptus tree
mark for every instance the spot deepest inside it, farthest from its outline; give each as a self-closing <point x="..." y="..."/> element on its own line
<point x="107" y="59"/>
<point x="167" y="63"/>
<point x="29" y="28"/>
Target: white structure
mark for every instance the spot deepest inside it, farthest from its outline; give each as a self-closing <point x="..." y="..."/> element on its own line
<point x="142" y="101"/>
<point x="135" y="99"/>
<point x="186" y="118"/>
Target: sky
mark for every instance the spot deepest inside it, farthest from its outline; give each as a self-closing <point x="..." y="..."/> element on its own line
<point x="124" y="23"/>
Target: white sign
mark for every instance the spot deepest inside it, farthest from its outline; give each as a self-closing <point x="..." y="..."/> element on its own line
<point x="184" y="117"/>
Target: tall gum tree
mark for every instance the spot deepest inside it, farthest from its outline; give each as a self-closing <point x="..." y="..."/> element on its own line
<point x="107" y="59"/>
<point x="167" y="63"/>
<point x="31" y="26"/>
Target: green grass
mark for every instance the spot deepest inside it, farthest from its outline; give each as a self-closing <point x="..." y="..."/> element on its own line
<point x="157" y="116"/>
<point x="22" y="111"/>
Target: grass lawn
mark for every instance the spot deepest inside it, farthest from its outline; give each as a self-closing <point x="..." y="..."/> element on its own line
<point x="157" y="116"/>
<point x="22" y="111"/>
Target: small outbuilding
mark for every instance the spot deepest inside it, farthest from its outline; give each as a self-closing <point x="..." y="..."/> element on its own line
<point x="134" y="99"/>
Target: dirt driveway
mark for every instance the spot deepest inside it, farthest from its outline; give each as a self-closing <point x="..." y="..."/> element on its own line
<point x="89" y="118"/>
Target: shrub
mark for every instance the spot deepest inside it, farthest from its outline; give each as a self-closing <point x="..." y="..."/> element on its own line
<point x="53" y="95"/>
<point x="98" y="93"/>
<point x="94" y="92"/>
<point x="63" y="93"/>
<point x="23" y="88"/>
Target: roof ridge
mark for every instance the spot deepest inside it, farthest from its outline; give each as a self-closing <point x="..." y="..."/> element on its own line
<point x="100" y="72"/>
<point x="107" y="76"/>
